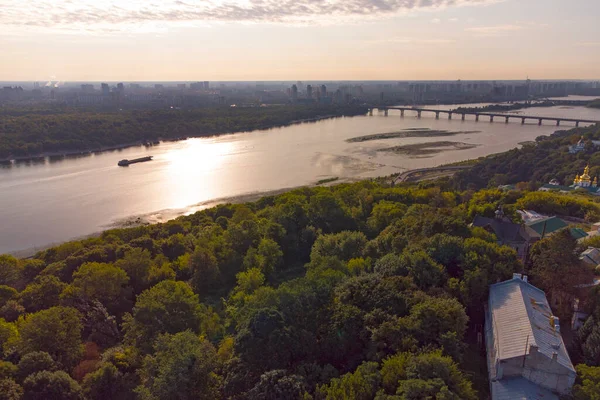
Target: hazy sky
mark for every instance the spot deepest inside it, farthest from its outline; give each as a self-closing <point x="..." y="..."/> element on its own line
<point x="298" y="39"/>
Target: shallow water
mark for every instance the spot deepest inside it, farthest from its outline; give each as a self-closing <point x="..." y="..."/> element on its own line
<point x="55" y="201"/>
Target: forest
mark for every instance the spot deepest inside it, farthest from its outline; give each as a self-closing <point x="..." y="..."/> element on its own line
<point x="363" y="290"/>
<point x="535" y="163"/>
<point x="36" y="132"/>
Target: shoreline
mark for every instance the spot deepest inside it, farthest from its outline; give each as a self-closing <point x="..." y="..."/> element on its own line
<point x="162" y="216"/>
<point x="85" y="152"/>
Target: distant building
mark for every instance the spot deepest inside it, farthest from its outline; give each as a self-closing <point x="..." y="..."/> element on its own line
<point x="323" y="91"/>
<point x="583" y="182"/>
<point x="526" y="355"/>
<point x="576" y="148"/>
<point x="158" y="86"/>
<point x="105" y="89"/>
<point x="120" y="88"/>
<point x="87" y="88"/>
<point x="206" y="85"/>
<point x="294" y="94"/>
<point x="309" y="92"/>
<point x="519" y="237"/>
<point x="181" y="86"/>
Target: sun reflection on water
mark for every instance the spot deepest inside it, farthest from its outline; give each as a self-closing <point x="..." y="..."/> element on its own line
<point x="191" y="170"/>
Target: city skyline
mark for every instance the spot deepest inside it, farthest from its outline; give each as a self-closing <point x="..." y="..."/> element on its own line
<point x="252" y="40"/>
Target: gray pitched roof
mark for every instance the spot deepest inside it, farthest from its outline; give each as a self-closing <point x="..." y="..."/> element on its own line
<point x="521" y="317"/>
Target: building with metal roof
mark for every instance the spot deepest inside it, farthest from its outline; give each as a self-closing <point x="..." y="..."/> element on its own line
<point x="527" y="358"/>
<point x="517" y="236"/>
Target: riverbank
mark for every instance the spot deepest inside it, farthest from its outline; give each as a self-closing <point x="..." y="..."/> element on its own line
<point x="162" y="216"/>
<point x="79" y="133"/>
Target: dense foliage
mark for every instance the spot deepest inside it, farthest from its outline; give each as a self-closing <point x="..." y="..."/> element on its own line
<point x="537" y="163"/>
<point x="75" y="130"/>
<point x="362" y="291"/>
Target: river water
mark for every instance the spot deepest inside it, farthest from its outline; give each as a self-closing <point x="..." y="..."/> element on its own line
<point x="54" y="201"/>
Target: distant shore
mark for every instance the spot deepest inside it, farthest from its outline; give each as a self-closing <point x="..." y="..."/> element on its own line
<point x="95" y="150"/>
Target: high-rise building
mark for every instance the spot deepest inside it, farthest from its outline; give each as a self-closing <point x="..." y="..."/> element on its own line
<point x="309" y="91"/>
<point x="206" y="85"/>
<point x="294" y="93"/>
<point x="158" y="86"/>
<point x="323" y="91"/>
<point x="105" y="89"/>
<point x="87" y="88"/>
<point x="120" y="88"/>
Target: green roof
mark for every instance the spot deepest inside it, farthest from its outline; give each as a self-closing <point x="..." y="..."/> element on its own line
<point x="578" y="233"/>
<point x="547" y="226"/>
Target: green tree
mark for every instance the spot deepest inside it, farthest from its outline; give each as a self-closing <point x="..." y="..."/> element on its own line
<point x="587" y="386"/>
<point x="278" y="385"/>
<point x="362" y="384"/>
<point x="33" y="362"/>
<point x="102" y="282"/>
<point x="8" y="336"/>
<point x="6" y="293"/>
<point x="10" y="390"/>
<point x="106" y="382"/>
<point x="56" y="331"/>
<point x="8" y="370"/>
<point x="383" y="214"/>
<point x="136" y="263"/>
<point x="181" y="367"/>
<point x="10" y="273"/>
<point x="205" y="269"/>
<point x="168" y="307"/>
<point x="44" y="292"/>
<point x="556" y="269"/>
<point x="56" y="385"/>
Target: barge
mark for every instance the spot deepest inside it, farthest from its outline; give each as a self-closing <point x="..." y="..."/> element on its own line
<point x="125" y="163"/>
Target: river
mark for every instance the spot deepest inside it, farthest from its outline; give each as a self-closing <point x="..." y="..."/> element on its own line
<point x="57" y="200"/>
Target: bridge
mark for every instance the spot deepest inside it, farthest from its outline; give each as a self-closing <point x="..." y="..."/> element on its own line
<point x="490" y="115"/>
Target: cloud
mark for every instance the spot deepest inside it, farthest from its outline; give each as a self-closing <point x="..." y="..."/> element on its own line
<point x="411" y="41"/>
<point x="96" y="15"/>
<point x="494" y="30"/>
<point x="588" y="44"/>
<point x="435" y="21"/>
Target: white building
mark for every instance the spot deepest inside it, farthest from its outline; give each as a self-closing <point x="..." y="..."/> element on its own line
<point x="526" y="355"/>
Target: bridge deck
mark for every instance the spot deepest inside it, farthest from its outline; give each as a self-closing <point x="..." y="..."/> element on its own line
<point x="489" y="114"/>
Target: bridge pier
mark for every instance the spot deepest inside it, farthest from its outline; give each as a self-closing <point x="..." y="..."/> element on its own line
<point x="522" y="121"/>
<point x="449" y="115"/>
<point x="476" y="117"/>
<point x="576" y="124"/>
<point x="419" y="114"/>
<point x="385" y="112"/>
<point x="558" y="122"/>
<point x="402" y="113"/>
<point x="540" y="121"/>
<point x="491" y="118"/>
<point x="437" y="115"/>
<point x="506" y="120"/>
<point x="463" y="117"/>
<point x="371" y="112"/>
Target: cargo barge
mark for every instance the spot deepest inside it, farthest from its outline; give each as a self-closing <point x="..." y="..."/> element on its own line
<point x="125" y="163"/>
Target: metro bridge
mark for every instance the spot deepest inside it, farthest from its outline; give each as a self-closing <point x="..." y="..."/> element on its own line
<point x="477" y="115"/>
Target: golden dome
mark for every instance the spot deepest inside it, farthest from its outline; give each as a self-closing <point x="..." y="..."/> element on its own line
<point x="586" y="175"/>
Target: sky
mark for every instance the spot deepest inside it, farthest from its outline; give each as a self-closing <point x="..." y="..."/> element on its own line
<point x="270" y="40"/>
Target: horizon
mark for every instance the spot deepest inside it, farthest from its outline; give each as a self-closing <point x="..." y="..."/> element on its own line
<point x="362" y="40"/>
